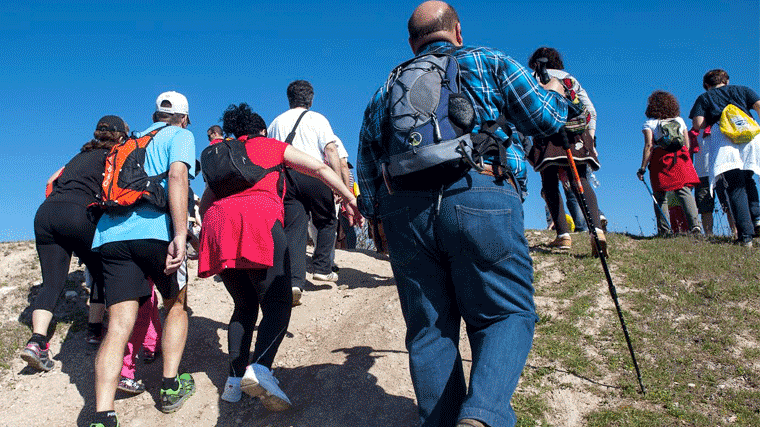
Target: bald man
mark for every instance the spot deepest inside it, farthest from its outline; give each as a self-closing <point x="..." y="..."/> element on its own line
<point x="459" y="252"/>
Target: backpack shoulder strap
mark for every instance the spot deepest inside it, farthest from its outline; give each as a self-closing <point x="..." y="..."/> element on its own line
<point x="292" y="133"/>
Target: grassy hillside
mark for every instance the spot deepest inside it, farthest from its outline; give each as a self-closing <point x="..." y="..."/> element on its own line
<point x="692" y="310"/>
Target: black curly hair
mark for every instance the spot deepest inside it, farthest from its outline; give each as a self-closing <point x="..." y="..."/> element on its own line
<point x="240" y="120"/>
<point x="555" y="59"/>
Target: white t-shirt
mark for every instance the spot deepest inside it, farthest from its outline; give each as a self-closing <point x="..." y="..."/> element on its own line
<point x="342" y="153"/>
<point x="654" y="126"/>
<point x="312" y="135"/>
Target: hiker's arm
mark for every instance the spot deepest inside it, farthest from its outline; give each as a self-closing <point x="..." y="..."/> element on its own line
<point x="331" y="155"/>
<point x="304" y="163"/>
<point x="178" y="185"/>
<point x="697" y="123"/>
<point x="207" y="199"/>
<point x="345" y="174"/>
<point x="685" y="134"/>
<point x="645" y="156"/>
<point x="756" y="107"/>
<point x="54" y="176"/>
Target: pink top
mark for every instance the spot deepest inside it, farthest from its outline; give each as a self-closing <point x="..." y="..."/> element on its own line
<point x="236" y="231"/>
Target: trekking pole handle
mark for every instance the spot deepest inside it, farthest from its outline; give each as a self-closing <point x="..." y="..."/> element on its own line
<point x="543" y="75"/>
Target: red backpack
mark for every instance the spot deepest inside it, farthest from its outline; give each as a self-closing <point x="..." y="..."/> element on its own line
<point x="125" y="182"/>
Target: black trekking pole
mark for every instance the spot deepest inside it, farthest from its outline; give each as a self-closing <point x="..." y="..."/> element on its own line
<point x="602" y="255"/>
<point x="659" y="209"/>
<point x="592" y="229"/>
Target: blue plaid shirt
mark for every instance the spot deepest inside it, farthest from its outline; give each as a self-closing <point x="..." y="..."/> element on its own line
<point x="494" y="82"/>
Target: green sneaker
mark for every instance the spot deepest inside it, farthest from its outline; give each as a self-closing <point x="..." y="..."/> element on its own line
<point x="171" y="400"/>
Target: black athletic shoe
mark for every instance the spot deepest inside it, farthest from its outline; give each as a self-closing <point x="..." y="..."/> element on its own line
<point x="109" y="420"/>
<point x="94" y="338"/>
<point x="149" y="357"/>
<point x="37" y="357"/>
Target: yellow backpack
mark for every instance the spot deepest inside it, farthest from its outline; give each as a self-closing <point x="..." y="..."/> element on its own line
<point x="737" y="125"/>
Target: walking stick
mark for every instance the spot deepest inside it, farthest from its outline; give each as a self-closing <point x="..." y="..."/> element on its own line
<point x="659" y="209"/>
<point x="592" y="229"/>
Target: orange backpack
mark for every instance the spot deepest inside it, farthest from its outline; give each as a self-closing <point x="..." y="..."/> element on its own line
<point x="125" y="182"/>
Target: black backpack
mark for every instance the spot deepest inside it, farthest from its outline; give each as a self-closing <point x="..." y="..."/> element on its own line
<point x="430" y="123"/>
<point x="228" y="170"/>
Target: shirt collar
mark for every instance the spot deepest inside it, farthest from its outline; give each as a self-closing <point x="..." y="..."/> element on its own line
<point x="434" y="46"/>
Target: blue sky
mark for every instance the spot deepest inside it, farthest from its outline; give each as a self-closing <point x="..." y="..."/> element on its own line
<point x="63" y="67"/>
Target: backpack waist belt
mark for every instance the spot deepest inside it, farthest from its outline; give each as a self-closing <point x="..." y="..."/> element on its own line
<point x="488" y="170"/>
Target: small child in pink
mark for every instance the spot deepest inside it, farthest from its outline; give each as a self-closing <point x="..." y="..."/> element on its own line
<point x="146" y="334"/>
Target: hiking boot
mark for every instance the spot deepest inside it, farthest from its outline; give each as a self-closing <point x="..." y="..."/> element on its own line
<point x="171" y="400"/>
<point x="563" y="242"/>
<point x="258" y="381"/>
<point x="37" y="357"/>
<point x="469" y="422"/>
<point x="297" y="292"/>
<point x="602" y="245"/>
<point x="129" y="385"/>
<point x="329" y="277"/>
<point x="232" y="392"/>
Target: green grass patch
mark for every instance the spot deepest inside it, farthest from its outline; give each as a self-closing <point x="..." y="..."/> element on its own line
<point x="692" y="308"/>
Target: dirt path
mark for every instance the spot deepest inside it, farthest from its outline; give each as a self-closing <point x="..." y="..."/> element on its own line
<point x="342" y="363"/>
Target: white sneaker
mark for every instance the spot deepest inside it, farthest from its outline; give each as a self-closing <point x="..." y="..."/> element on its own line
<point x="297" y="292"/>
<point x="232" y="392"/>
<point x="258" y="381"/>
<point x="329" y="277"/>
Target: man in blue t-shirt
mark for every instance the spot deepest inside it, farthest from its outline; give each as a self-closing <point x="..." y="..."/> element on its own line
<point x="149" y="242"/>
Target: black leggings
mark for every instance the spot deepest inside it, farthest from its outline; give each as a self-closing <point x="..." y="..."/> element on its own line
<point x="60" y="229"/>
<point x="550" y="184"/>
<point x="270" y="288"/>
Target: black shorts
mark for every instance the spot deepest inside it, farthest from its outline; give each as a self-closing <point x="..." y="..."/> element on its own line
<point x="128" y="264"/>
<point x="705" y="201"/>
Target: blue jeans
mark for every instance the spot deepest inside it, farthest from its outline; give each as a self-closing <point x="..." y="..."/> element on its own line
<point x="469" y="261"/>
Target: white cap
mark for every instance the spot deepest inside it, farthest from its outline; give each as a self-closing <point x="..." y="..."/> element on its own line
<point x="177" y="100"/>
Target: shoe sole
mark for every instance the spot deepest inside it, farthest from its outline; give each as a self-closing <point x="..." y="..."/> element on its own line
<point x="175" y="407"/>
<point x="35" y="362"/>
<point x="230" y="399"/>
<point x="325" y="278"/>
<point x="270" y="401"/>
<point x="129" y="390"/>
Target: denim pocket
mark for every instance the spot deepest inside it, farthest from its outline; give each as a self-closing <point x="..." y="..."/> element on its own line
<point x="402" y="245"/>
<point x="487" y="235"/>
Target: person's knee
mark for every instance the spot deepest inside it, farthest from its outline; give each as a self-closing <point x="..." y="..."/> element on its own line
<point x="122" y="318"/>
